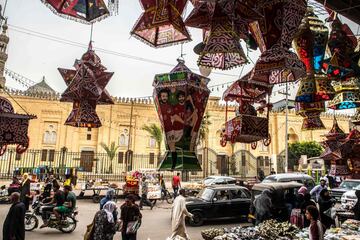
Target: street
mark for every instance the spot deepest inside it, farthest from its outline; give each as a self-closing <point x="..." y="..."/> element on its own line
<point x="156" y="224"/>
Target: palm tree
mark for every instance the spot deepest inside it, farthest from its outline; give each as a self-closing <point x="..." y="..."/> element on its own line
<point x="111" y="152"/>
<point x="202" y="138"/>
<point x="156" y="133"/>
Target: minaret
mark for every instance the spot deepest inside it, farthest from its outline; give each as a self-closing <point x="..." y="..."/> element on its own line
<point x="4" y="40"/>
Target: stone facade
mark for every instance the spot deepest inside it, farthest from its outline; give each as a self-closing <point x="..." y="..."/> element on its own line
<point x="49" y="132"/>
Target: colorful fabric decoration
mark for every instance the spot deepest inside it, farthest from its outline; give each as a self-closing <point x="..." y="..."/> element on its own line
<point x="161" y="23"/>
<point x="85" y="11"/>
<point x="347" y="94"/>
<point x="247" y="127"/>
<point x="356" y="118"/>
<point x="13" y="127"/>
<point x="310" y="44"/>
<point x="180" y="99"/>
<point x="343" y="62"/>
<point x="86" y="88"/>
<point x="274" y="34"/>
<point x="223" y="23"/>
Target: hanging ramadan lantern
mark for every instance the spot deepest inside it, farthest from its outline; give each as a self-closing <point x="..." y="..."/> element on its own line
<point x="310" y="43"/>
<point x="86" y="88"/>
<point x="274" y="34"/>
<point x="13" y="127"/>
<point x="347" y="94"/>
<point x="223" y="24"/>
<point x="247" y="127"/>
<point x="180" y="99"/>
<point x="85" y="11"/>
<point x="356" y="118"/>
<point x="161" y="23"/>
<point x="343" y="62"/>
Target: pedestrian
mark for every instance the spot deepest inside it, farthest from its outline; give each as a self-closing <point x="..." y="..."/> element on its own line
<point x="14" y="224"/>
<point x="108" y="197"/>
<point x="357" y="206"/>
<point x="162" y="185"/>
<point x="330" y="180"/>
<point x="301" y="196"/>
<point x="178" y="215"/>
<point x="316" y="230"/>
<point x="272" y="171"/>
<point x="104" y="223"/>
<point x="144" y="192"/>
<point x="176" y="184"/>
<point x="261" y="175"/>
<point x="25" y="191"/>
<point x="317" y="189"/>
<point x="307" y="202"/>
<point x="325" y="203"/>
<point x="130" y="212"/>
<point x="262" y="204"/>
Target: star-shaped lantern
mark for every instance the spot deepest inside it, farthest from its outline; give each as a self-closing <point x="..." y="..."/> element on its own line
<point x="224" y="23"/>
<point x="161" y="23"/>
<point x="180" y="99"/>
<point x="274" y="34"/>
<point x="86" y="11"/>
<point x="13" y="127"/>
<point x="310" y="44"/>
<point x="86" y="88"/>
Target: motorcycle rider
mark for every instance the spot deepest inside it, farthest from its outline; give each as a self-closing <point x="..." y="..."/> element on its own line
<point x="70" y="202"/>
<point x="57" y="201"/>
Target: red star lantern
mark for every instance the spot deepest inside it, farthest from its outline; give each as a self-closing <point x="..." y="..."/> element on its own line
<point x="86" y="88"/>
<point x="85" y="11"/>
<point x="274" y="34"/>
<point x="161" y="23"/>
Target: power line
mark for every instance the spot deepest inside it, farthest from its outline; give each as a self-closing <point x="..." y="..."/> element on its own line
<point x="106" y="51"/>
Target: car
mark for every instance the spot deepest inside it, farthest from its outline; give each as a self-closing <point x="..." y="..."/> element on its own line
<point x="346" y="185"/>
<point x="219" y="202"/>
<point x="216" y="180"/>
<point x="302" y="178"/>
<point x="349" y="198"/>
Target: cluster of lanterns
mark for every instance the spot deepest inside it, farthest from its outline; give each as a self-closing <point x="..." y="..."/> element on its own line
<point x="272" y="26"/>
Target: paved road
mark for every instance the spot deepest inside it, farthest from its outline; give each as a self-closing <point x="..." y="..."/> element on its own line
<point x="156" y="224"/>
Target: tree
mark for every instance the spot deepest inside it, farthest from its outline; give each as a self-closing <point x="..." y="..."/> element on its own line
<point x="156" y="133"/>
<point x="311" y="149"/>
<point x="111" y="152"/>
<point x="232" y="160"/>
<point x="203" y="133"/>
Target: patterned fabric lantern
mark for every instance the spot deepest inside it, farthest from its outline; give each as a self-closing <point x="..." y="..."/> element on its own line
<point x="85" y="11"/>
<point x="343" y="62"/>
<point x="274" y="34"/>
<point x="310" y="43"/>
<point x="356" y="118"/>
<point x="224" y="23"/>
<point x="347" y="94"/>
<point x="180" y="99"/>
<point x="13" y="127"/>
<point x="86" y="88"/>
<point x="161" y="23"/>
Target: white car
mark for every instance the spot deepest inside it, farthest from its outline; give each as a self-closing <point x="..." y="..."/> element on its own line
<point x="216" y="180"/>
<point x="349" y="198"/>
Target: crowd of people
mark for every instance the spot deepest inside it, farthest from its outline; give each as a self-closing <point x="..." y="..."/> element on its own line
<point x="315" y="208"/>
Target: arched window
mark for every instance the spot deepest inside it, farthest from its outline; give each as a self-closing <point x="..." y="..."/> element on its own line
<point x="53" y="137"/>
<point x="152" y="142"/>
<point x="122" y="140"/>
<point x="50" y="135"/>
<point x="47" y="137"/>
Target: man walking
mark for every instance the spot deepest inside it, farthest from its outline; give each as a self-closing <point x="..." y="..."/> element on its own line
<point x="178" y="215"/>
<point x="317" y="190"/>
<point x="144" y="192"/>
<point x="14" y="225"/>
<point x="176" y="184"/>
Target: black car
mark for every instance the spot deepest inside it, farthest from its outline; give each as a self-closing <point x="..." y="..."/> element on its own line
<point x="219" y="202"/>
<point x="346" y="185"/>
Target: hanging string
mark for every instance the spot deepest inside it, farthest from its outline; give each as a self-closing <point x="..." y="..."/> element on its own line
<point x="15" y="101"/>
<point x="91" y="33"/>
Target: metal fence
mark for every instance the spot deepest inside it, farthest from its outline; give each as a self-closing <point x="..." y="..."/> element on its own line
<point x="89" y="165"/>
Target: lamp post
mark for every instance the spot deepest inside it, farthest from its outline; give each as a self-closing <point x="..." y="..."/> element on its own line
<point x="63" y="152"/>
<point x="9" y="168"/>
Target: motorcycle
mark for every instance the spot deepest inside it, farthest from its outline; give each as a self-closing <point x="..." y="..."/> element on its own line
<point x="66" y="224"/>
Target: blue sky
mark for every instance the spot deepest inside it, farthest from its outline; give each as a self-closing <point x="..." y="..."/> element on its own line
<point x="35" y="57"/>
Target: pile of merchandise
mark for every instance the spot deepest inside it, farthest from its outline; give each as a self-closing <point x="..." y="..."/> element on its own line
<point x="350" y="229"/>
<point x="269" y="230"/>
